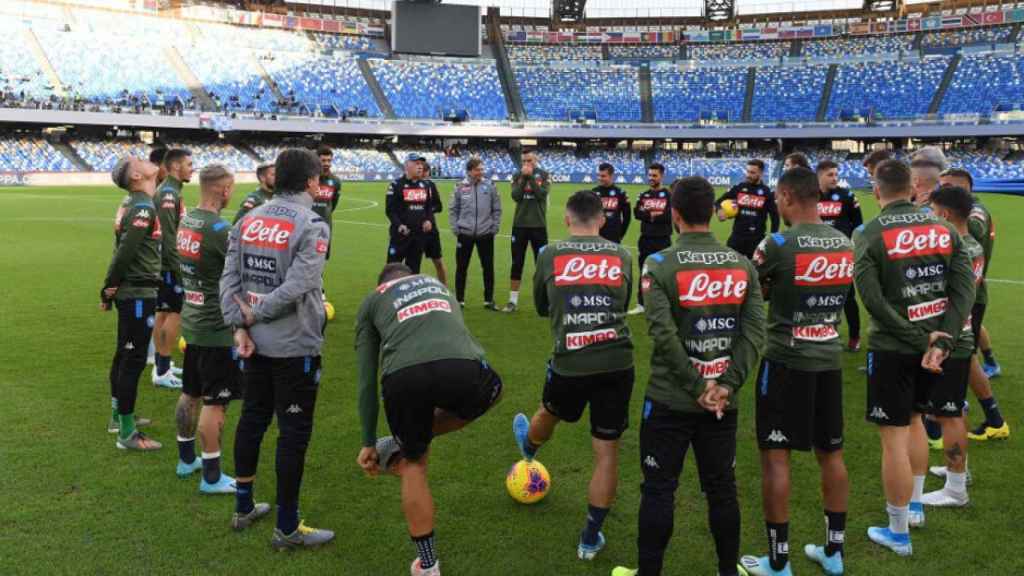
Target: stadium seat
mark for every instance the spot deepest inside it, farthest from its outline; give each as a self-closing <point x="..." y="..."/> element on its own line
<point x="643" y="52"/>
<point x="421" y="89"/>
<point x="543" y="53"/>
<point x="30" y="154"/>
<point x="890" y="89"/>
<point x="685" y="94"/>
<point x="313" y="80"/>
<point x="846" y="46"/>
<point x="984" y="81"/>
<point x="555" y="93"/>
<point x="347" y="160"/>
<point x="739" y="51"/>
<point x="787" y="93"/>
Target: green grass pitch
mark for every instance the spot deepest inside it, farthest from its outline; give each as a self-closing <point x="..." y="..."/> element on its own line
<point x="73" y="504"/>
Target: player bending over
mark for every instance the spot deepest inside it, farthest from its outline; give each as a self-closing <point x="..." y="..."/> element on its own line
<point x="434" y="380"/>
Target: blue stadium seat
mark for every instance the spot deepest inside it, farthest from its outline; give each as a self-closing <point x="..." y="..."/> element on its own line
<point x="691" y="94"/>
<point x="787" y="93"/>
<point x="551" y="93"/>
<point x="890" y="89"/>
<point x="984" y="81"/>
<point x="418" y="89"/>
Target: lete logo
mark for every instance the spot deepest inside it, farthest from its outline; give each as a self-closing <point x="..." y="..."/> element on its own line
<point x="750" y="201"/>
<point x="588" y="269"/>
<point x="824" y="269"/>
<point x="830" y="209"/>
<point x="917" y="241"/>
<point x="266" y="232"/>
<point x="188" y="243"/>
<point x="713" y="287"/>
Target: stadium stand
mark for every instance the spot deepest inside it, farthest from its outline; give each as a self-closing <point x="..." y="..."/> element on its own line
<point x="984" y="82"/>
<point x="451" y="162"/>
<point x="344" y="42"/>
<point x="643" y="51"/>
<point x="739" y="51"/>
<point x="846" y="46"/>
<point x="716" y="166"/>
<point x="312" y="80"/>
<point x="239" y="87"/>
<point x="347" y="159"/>
<point x="787" y="93"/>
<point x="570" y="161"/>
<point x="420" y="89"/>
<point x="698" y="93"/>
<point x="886" y="89"/>
<point x="205" y="153"/>
<point x="550" y="93"/>
<point x="986" y="165"/>
<point x="31" y="154"/>
<point x="541" y="54"/>
<point x="966" y="36"/>
<point x="102" y="155"/>
<point x="20" y="73"/>
<point x="261" y="39"/>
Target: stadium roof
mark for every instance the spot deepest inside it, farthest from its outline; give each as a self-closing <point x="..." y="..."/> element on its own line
<point x="618" y="8"/>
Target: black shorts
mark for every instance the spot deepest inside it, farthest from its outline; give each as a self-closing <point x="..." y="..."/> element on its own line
<point x="744" y="244"/>
<point x="212" y="373"/>
<point x="432" y="245"/>
<point x="406" y="249"/>
<point x="798" y="409"/>
<point x="465" y="388"/>
<point x="170" y="294"/>
<point x="608" y="395"/>
<point x="898" y="387"/>
<point x="977" y="317"/>
<point x="535" y="238"/>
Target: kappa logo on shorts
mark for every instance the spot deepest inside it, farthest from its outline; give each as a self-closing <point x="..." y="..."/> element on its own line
<point x="424" y="307"/>
<point x="650" y="462"/>
<point x="225" y="393"/>
<point x="950" y="407"/>
<point x="294" y="409"/>
<point x="776" y="436"/>
<point x="878" y="414"/>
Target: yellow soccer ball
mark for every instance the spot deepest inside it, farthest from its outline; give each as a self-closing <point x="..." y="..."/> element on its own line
<point x="329" y="310"/>
<point x="182" y="344"/>
<point x="729" y="208"/>
<point x="528" y="482"/>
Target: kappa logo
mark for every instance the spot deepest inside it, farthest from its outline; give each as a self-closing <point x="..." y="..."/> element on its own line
<point x="688" y="257"/>
<point x="823" y="243"/>
<point x="129" y="345"/>
<point x="777" y="436"/>
<point x="294" y="409"/>
<point x="224" y="393"/>
<point x="650" y="462"/>
<point x="878" y="414"/>
<point x="949" y="407"/>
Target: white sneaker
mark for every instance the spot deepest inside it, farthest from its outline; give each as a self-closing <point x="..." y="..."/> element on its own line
<point x="915" y="516"/>
<point x="940" y="471"/>
<point x="167" y="380"/>
<point x="417" y="570"/>
<point x="945" y="498"/>
<point x="638" y="309"/>
<point x="177" y="371"/>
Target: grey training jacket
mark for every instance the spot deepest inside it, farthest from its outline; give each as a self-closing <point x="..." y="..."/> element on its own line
<point x="475" y="209"/>
<point x="274" y="262"/>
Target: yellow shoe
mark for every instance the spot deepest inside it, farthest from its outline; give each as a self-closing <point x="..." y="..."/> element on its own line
<point x="936" y="444"/>
<point x="623" y="571"/>
<point x="983" y="433"/>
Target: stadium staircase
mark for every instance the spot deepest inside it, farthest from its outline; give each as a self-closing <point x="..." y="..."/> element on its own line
<point x="189" y="79"/>
<point x="916" y="44"/>
<point x="391" y="154"/>
<point x="947" y="79"/>
<point x="646" y="104"/>
<point x="278" y="95"/>
<point x="375" y="89"/>
<point x="796" y="48"/>
<point x="80" y="164"/>
<point x="1015" y="33"/>
<point x="826" y="94"/>
<point x="606" y="54"/>
<point x="248" y="151"/>
<point x="513" y="102"/>
<point x="748" y="99"/>
<point x="44" y="62"/>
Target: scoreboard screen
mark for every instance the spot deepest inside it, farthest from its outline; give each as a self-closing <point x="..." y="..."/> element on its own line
<point x="439" y="29"/>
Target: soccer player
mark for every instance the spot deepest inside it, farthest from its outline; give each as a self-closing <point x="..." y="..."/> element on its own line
<point x="839" y="208"/>
<point x="432" y="243"/>
<point x="408" y="208"/>
<point x="170" y="207"/>
<point x="278" y="317"/>
<point x="327" y="198"/>
<point x="756" y="205"/>
<point x="211" y="375"/>
<point x="131" y="286"/>
<point x="873" y="159"/>
<point x="925" y="166"/>
<point x="918" y="287"/>
<point x="954" y="205"/>
<point x="260" y="196"/>
<point x="530" y="187"/>
<point x="806" y="273"/>
<point x="474" y="214"/>
<point x="795" y="159"/>
<point x="583" y="285"/>
<point x="435" y="380"/>
<point x="705" y="315"/>
<point x="616" y="204"/>
<point x="653" y="212"/>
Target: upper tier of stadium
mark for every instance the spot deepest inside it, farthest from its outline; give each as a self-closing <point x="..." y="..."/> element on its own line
<point x="59" y="56"/>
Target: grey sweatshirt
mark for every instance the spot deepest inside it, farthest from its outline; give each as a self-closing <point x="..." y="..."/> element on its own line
<point x="475" y="209"/>
<point x="274" y="262"/>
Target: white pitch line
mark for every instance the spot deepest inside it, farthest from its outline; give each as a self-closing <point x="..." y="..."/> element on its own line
<point x="1005" y="281"/>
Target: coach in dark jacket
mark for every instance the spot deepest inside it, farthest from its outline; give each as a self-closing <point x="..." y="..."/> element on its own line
<point x="475" y="216"/>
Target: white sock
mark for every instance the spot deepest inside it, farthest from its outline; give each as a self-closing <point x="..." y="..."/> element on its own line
<point x="211" y="455"/>
<point x="898" y="523"/>
<point x="956" y="482"/>
<point x="918" y="489"/>
<point x="513" y="297"/>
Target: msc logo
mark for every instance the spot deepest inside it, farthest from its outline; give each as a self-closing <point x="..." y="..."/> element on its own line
<point x="920" y="272"/>
<point x="260" y="263"/>
<point x="589" y="301"/>
<point x="824" y="301"/>
<point x="713" y="324"/>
